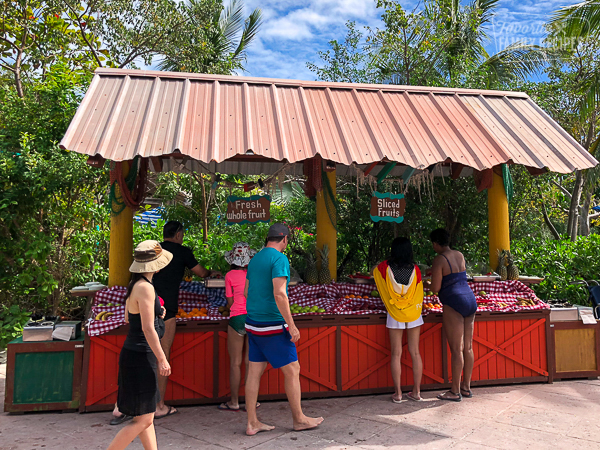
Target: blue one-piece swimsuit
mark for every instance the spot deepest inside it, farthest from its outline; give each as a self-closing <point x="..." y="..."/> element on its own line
<point x="456" y="293"/>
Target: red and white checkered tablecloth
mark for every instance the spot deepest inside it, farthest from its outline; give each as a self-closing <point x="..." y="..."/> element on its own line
<point x="116" y="295"/>
<point x="496" y="292"/>
<point x="335" y="298"/>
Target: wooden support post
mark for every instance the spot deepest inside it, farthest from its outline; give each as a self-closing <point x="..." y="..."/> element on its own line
<point x="120" y="253"/>
<point x="326" y="233"/>
<point x="498" y="219"/>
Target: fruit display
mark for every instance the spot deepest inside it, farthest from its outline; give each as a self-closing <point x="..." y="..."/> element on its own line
<point x="104" y="315"/>
<point x="297" y="309"/>
<point x="525" y="302"/>
<point x="224" y="311"/>
<point x="181" y="314"/>
<point x="324" y="273"/>
<point x="506" y="266"/>
<point x="512" y="272"/>
<point x="312" y="274"/>
<point x="501" y="269"/>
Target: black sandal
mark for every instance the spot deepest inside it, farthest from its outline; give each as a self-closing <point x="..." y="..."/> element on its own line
<point x="469" y="393"/>
<point x="170" y="412"/>
<point x="458" y="399"/>
<point x="119" y="420"/>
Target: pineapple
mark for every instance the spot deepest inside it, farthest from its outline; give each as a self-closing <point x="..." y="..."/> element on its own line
<point x="502" y="271"/>
<point x="512" y="270"/>
<point x="324" y="274"/>
<point x="311" y="276"/>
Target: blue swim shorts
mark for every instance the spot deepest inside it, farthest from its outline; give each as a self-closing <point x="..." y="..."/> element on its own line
<point x="276" y="349"/>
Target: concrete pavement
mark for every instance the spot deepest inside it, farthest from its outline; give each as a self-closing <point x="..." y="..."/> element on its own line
<point x="563" y="415"/>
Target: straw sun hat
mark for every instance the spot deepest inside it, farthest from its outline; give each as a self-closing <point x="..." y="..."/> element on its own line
<point x="149" y="257"/>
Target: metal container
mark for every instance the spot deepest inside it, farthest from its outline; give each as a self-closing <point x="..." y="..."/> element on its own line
<point x="564" y="314"/>
<point x="37" y="333"/>
<point x="214" y="282"/>
<point x="74" y="325"/>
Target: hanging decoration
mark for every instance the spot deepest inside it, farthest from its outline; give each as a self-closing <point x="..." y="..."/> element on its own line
<point x="132" y="188"/>
<point x="331" y="202"/>
<point x="508" y="182"/>
<point x="217" y="181"/>
<point x="387" y="207"/>
<point x="312" y="171"/>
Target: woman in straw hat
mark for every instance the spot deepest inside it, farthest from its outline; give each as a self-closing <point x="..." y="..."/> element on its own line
<point x="235" y="281"/>
<point x="142" y="355"/>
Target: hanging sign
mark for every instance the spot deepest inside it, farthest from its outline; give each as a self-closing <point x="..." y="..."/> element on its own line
<point x="387" y="207"/>
<point x="248" y="209"/>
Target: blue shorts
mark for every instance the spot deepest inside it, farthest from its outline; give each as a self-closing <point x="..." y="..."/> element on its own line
<point x="276" y="349"/>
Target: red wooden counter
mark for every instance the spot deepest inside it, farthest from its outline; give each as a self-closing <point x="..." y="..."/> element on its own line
<point x="339" y="355"/>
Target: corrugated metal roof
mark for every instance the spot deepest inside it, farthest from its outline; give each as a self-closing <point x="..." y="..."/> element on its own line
<point x="213" y="119"/>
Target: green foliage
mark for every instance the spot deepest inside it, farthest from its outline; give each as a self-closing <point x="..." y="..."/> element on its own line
<point x="49" y="197"/>
<point x="559" y="262"/>
<point x="439" y="43"/>
<point x="346" y="61"/>
<point x="12" y="320"/>
<point x="206" y="39"/>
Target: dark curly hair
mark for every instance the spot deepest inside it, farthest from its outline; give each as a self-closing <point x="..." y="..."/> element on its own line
<point x="440" y="237"/>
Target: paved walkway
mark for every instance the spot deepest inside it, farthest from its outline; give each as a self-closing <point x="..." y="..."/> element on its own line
<point x="564" y="415"/>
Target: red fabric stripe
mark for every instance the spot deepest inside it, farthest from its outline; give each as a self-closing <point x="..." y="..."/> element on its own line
<point x="418" y="274"/>
<point x="264" y="333"/>
<point x="383" y="269"/>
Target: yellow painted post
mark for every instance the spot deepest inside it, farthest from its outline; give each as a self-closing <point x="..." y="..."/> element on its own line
<point x="120" y="253"/>
<point x="326" y="233"/>
<point x="498" y="219"/>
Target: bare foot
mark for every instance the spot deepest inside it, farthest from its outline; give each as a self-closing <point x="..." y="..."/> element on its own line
<point x="308" y="423"/>
<point x="164" y="411"/>
<point x="257" y="427"/>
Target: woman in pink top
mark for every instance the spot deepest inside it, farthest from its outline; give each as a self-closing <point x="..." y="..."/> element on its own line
<point x="235" y="282"/>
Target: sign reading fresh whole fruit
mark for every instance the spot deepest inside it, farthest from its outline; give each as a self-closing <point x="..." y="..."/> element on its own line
<point x="387" y="207"/>
<point x="253" y="209"/>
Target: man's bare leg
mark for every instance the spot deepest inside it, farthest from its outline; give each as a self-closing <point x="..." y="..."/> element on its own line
<point x="293" y="391"/>
<point x="255" y="371"/>
<point x="166" y="342"/>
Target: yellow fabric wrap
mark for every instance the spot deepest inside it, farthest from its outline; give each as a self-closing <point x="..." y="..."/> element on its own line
<point x="403" y="307"/>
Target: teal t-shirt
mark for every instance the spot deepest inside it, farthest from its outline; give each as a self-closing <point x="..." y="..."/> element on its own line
<point x="264" y="266"/>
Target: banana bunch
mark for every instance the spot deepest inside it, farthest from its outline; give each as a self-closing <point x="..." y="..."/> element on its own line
<point x="525" y="302"/>
<point x="104" y="315"/>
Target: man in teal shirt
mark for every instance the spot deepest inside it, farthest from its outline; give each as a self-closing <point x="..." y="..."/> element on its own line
<point x="272" y="333"/>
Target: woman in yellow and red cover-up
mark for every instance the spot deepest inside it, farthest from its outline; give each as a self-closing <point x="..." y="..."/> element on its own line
<point x="401" y="289"/>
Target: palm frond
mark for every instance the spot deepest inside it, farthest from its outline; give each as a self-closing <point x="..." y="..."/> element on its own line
<point x="591" y="95"/>
<point x="579" y="20"/>
<point x="518" y="60"/>
<point x="232" y="20"/>
<point x="251" y="27"/>
<point x="486" y="8"/>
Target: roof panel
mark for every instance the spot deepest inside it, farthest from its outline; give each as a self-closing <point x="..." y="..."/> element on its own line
<point x="213" y="118"/>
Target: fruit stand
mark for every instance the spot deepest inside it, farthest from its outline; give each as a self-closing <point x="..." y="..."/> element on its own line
<point x="160" y="121"/>
<point x="343" y="351"/>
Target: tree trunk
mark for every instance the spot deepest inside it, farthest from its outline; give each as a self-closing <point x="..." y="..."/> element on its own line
<point x="204" y="212"/>
<point x="584" y="218"/>
<point x="17" y="73"/>
<point x="549" y="223"/>
<point x="574" y="208"/>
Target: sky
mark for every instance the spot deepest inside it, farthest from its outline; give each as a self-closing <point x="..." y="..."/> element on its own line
<point x="294" y="32"/>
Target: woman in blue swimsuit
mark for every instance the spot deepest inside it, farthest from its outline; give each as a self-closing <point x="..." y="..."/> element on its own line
<point x="449" y="280"/>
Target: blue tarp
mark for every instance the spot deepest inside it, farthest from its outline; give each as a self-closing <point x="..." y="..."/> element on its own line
<point x="151" y="216"/>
